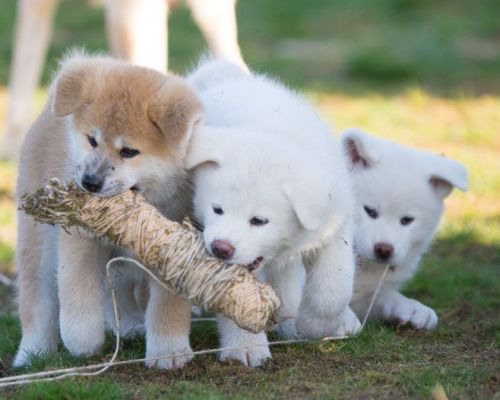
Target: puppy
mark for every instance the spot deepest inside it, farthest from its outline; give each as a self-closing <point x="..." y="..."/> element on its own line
<point x="268" y="193"/>
<point x="399" y="196"/>
<point x="110" y="127"/>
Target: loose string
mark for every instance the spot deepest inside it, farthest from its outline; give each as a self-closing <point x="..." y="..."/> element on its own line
<point x="54" y="375"/>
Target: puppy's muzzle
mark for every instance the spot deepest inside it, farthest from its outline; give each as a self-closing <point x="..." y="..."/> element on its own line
<point x="222" y="249"/>
<point x="383" y="251"/>
<point x="92" y="183"/>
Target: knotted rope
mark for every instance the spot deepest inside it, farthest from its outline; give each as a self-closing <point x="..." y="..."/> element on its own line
<point x="174" y="252"/>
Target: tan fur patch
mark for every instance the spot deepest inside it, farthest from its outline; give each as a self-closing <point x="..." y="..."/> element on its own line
<point x="150" y="110"/>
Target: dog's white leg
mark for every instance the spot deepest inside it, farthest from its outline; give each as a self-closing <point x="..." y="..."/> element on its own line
<point x="137" y="31"/>
<point x="38" y="304"/>
<point x="233" y="336"/>
<point x="81" y="293"/>
<point x="168" y="320"/>
<point x="33" y="30"/>
<point x="394" y="307"/>
<point x="217" y="21"/>
<point x="288" y="281"/>
<point x="325" y="310"/>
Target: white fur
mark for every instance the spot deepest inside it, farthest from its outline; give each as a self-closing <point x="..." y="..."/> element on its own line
<point x="161" y="345"/>
<point x="397" y="182"/>
<point x="265" y="153"/>
<point x="43" y="334"/>
<point x="233" y="336"/>
<point x="288" y="281"/>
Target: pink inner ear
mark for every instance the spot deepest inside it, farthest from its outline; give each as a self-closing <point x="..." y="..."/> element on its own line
<point x="354" y="153"/>
<point x="442" y="187"/>
<point x="438" y="182"/>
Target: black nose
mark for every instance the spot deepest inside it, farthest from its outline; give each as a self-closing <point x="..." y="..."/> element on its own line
<point x="92" y="183"/>
<point x="383" y="251"/>
<point x="222" y="249"/>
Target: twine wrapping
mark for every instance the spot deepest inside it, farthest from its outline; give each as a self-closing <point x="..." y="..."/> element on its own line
<point x="173" y="251"/>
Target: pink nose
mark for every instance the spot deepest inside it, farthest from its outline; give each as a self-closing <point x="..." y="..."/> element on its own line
<point x="383" y="251"/>
<point x="222" y="249"/>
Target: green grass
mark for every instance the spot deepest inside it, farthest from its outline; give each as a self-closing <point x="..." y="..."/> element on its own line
<point x="422" y="72"/>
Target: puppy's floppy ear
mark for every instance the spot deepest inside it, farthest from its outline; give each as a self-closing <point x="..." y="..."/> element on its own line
<point x="76" y="84"/>
<point x="206" y="147"/>
<point x="310" y="195"/>
<point x="446" y="175"/>
<point x="176" y="110"/>
<point x="357" y="148"/>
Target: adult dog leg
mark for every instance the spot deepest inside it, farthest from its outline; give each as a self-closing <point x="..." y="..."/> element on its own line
<point x="137" y="31"/>
<point x="217" y="21"/>
<point x="33" y="30"/>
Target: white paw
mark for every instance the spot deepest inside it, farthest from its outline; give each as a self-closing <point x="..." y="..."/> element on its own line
<point x="30" y="346"/>
<point x="287" y="329"/>
<point x="312" y="327"/>
<point x="241" y="344"/>
<point x="176" y="348"/>
<point x="83" y="339"/>
<point x="348" y="323"/>
<point x="251" y="357"/>
<point x="22" y="357"/>
<point x="408" y="311"/>
<point x="240" y="341"/>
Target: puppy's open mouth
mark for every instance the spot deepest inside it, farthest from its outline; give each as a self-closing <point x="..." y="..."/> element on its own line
<point x="255" y="264"/>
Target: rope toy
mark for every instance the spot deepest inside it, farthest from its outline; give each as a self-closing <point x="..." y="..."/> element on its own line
<point x="173" y="251"/>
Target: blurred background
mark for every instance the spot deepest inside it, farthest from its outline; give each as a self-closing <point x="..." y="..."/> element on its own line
<point x="423" y="72"/>
<point x="449" y="47"/>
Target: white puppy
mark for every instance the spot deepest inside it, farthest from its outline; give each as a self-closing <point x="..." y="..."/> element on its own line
<point x="399" y="193"/>
<point x="268" y="192"/>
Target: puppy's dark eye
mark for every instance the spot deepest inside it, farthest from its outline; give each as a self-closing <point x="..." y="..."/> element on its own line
<point x="92" y="141"/>
<point x="218" y="210"/>
<point x="127" y="152"/>
<point x="257" y="221"/>
<point x="406" y="220"/>
<point x="372" y="213"/>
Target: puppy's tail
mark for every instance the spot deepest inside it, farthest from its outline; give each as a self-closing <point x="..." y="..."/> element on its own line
<point x="210" y="72"/>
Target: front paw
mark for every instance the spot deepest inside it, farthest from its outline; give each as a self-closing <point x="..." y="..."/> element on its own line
<point x="82" y="337"/>
<point x="287" y="329"/>
<point x="250" y="356"/>
<point x="176" y="349"/>
<point x="34" y="344"/>
<point x="408" y="311"/>
<point x="313" y="327"/>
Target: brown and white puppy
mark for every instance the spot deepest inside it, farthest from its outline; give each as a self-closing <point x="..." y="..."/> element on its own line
<point x="110" y="127"/>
